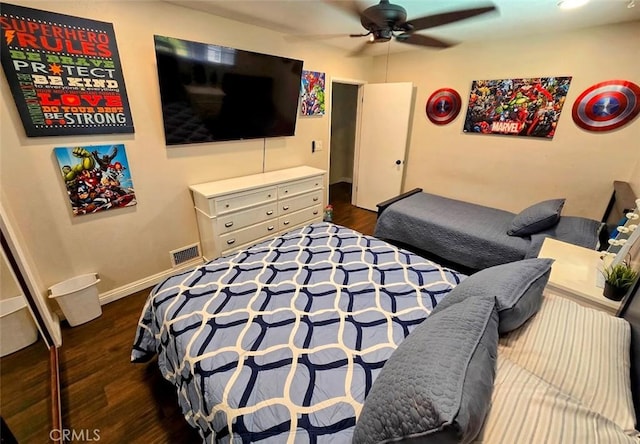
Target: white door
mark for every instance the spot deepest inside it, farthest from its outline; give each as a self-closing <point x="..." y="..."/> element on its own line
<point x="382" y="146"/>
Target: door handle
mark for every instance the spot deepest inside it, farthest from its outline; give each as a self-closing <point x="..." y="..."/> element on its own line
<point x="398" y="162"/>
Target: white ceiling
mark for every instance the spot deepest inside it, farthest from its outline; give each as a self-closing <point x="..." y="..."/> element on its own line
<point x="330" y="25"/>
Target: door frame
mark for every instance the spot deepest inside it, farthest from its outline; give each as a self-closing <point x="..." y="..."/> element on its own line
<point x="47" y="322"/>
<point x="356" y="142"/>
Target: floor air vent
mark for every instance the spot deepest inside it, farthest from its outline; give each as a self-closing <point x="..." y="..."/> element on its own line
<point x="184" y="254"/>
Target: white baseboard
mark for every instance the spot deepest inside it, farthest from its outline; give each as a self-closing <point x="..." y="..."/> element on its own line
<point x="149" y="281"/>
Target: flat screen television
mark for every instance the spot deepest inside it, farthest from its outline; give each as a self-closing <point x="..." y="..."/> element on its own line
<point x="213" y="93"/>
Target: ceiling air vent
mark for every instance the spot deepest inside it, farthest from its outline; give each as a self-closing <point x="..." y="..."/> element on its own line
<point x="184" y="254"/>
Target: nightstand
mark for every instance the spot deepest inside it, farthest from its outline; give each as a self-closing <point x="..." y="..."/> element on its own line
<point x="575" y="273"/>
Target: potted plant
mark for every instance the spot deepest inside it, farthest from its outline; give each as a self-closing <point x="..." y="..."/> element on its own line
<point x="617" y="280"/>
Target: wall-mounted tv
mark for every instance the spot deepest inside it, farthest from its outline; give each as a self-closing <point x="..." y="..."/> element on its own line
<point x="214" y="93"/>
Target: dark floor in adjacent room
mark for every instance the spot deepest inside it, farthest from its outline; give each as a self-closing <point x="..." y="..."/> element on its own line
<point x="348" y="215"/>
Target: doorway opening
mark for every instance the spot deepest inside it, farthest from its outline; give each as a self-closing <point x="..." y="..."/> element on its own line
<point x="344" y="124"/>
<point x="369" y="134"/>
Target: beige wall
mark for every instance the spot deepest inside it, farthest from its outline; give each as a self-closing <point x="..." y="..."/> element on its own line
<point x="129" y="244"/>
<point x="8" y="285"/>
<point x="510" y="172"/>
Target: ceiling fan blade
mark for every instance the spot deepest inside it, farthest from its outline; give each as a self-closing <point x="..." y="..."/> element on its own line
<point x="432" y="21"/>
<point x="352" y="7"/>
<point x="356" y="9"/>
<point x="360" y="49"/>
<point x="423" y="40"/>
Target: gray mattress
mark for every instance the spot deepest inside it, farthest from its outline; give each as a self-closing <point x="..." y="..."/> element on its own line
<point x="471" y="235"/>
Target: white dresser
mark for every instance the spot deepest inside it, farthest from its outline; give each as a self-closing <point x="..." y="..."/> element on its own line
<point x="238" y="212"/>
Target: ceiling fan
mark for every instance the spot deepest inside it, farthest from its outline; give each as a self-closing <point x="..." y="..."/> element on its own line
<point x="385" y="21"/>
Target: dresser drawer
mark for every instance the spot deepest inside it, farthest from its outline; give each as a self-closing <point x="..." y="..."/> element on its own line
<point x="292" y="220"/>
<point x="248" y="234"/>
<point x="299" y="186"/>
<point x="240" y="219"/>
<point x="237" y="201"/>
<point x="293" y="204"/>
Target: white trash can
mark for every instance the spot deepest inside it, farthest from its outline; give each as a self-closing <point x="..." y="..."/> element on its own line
<point x="17" y="329"/>
<point x="78" y="298"/>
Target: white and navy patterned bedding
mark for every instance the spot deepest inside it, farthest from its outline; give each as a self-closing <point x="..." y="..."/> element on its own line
<point x="281" y="342"/>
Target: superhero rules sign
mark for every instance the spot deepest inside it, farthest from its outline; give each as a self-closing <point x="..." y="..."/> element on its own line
<point x="516" y="107"/>
<point x="64" y="73"/>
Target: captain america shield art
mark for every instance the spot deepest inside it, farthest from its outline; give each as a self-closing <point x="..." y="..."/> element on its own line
<point x="607" y="105"/>
<point x="443" y="106"/>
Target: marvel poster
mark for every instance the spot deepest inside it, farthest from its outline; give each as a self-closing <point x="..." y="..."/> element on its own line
<point x="516" y="107"/>
<point x="64" y="73"/>
<point x="312" y="93"/>
<point x="97" y="178"/>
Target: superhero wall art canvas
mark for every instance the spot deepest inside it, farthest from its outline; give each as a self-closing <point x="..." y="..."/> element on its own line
<point x="64" y="73"/>
<point x="516" y="107"/>
<point x="97" y="178"/>
<point x="312" y="93"/>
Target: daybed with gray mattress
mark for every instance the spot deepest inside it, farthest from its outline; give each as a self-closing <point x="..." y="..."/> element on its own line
<point x="326" y="335"/>
<point x="472" y="237"/>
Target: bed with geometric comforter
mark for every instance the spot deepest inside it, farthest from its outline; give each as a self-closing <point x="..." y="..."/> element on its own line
<point x="281" y="342"/>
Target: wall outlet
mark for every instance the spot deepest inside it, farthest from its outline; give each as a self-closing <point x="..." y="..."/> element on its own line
<point x="316" y="145"/>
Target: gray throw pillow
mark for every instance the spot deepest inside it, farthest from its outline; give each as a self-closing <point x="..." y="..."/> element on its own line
<point x="536" y="218"/>
<point x="517" y="287"/>
<point x="436" y="386"/>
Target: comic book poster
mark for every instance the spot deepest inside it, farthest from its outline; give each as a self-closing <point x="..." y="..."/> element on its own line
<point x="97" y="177"/>
<point x="516" y="107"/>
<point x="64" y="73"/>
<point x="312" y="94"/>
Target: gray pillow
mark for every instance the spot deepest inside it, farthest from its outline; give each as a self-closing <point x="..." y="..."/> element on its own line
<point x="517" y="287"/>
<point x="536" y="218"/>
<point x="436" y="386"/>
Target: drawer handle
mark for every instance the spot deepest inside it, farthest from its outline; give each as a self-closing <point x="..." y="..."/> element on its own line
<point x="270" y="228"/>
<point x="316" y="185"/>
<point x="228" y="224"/>
<point x="315" y="212"/>
<point x="286" y="222"/>
<point x="268" y="195"/>
<point x="285" y="208"/>
<point x="315" y="199"/>
<point x="231" y="241"/>
<point x="226" y="206"/>
<point x="269" y="213"/>
<point x="286" y="191"/>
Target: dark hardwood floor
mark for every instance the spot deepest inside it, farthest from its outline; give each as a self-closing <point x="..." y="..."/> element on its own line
<point x="25" y="401"/>
<point x="346" y="214"/>
<point x="103" y="394"/>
